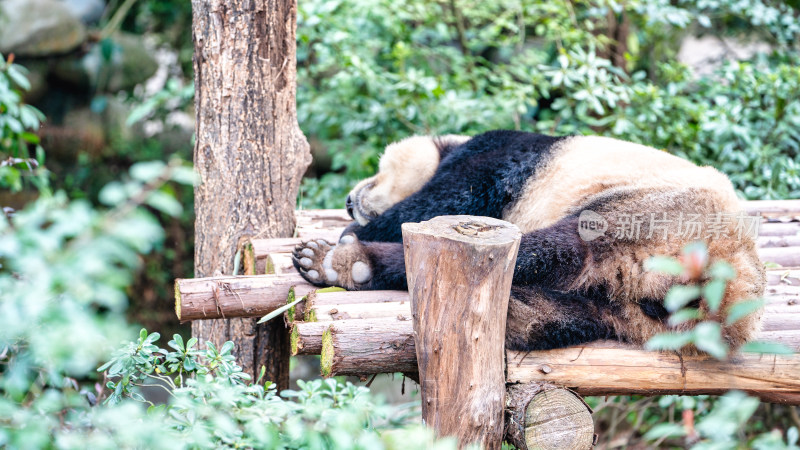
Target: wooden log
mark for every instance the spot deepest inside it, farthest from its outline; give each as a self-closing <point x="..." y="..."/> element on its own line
<point x="226" y="297"/>
<point x="266" y="291"/>
<point x="328" y="313"/>
<point x="783" y="276"/>
<point x="781" y="322"/>
<point x="779" y="229"/>
<point x="785" y="256"/>
<point x="322" y="218"/>
<point x="608" y="368"/>
<point x="306" y="337"/>
<point x="779" y="241"/>
<point x="545" y="416"/>
<point x="324" y="302"/>
<point x="772" y="207"/>
<point x="383" y="345"/>
<point x="459" y="279"/>
<point x="772" y="251"/>
<point x="771" y="234"/>
<point x="782" y="308"/>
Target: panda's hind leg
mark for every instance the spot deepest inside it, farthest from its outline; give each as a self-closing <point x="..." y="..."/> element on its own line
<point x="542" y="319"/>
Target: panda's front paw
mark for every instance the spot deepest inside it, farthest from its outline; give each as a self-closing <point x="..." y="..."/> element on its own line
<point x="323" y="264"/>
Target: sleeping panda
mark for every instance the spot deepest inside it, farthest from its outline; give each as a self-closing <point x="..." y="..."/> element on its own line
<point x="591" y="209"/>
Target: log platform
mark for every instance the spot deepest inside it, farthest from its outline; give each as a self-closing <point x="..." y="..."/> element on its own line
<point x="362" y="333"/>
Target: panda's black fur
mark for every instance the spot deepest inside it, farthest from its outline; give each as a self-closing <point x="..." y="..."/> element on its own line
<point x="567" y="290"/>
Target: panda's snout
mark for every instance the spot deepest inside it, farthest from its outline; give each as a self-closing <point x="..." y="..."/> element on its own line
<point x="348" y="204"/>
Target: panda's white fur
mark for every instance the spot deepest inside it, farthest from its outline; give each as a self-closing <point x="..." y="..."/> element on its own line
<point x="404" y="168"/>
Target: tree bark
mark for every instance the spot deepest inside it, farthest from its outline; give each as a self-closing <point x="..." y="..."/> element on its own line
<point x="250" y="154"/>
<point x="459" y="271"/>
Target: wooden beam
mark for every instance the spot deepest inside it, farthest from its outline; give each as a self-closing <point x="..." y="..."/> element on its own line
<point x="790" y="208"/>
<point x="609" y="368"/>
<point x="329" y="223"/>
<point x="383" y="345"/>
<point x="226" y="297"/>
<point x="212" y="298"/>
<point x="364" y="347"/>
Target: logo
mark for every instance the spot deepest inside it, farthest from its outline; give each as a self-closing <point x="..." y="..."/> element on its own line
<point x="591" y="225"/>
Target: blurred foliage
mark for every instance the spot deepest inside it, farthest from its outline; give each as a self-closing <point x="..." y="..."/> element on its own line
<point x="211" y="404"/>
<point x="694" y="306"/>
<point x="702" y="422"/>
<point x="21" y="156"/>
<point x="587" y="67"/>
<point x="64" y="268"/>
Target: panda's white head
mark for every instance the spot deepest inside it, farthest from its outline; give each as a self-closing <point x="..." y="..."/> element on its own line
<point x="403" y="169"/>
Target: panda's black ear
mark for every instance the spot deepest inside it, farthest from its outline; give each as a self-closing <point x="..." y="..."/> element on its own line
<point x="446" y="144"/>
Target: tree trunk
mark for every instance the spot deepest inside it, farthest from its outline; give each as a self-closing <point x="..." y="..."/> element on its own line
<point x="250" y="154"/>
<point x="459" y="280"/>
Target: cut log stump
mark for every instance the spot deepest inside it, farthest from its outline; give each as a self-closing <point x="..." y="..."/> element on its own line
<point x="459" y="271"/>
<point x="543" y="416"/>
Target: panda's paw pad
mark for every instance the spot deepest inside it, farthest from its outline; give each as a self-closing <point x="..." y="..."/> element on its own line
<point x="324" y="264"/>
<point x="308" y="259"/>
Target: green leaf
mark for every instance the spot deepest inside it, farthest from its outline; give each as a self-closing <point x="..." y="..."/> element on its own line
<point x="722" y="270"/>
<point x="18" y="77"/>
<point x="226" y="348"/>
<point x="113" y="193"/>
<point x="684" y="315"/>
<point x="147" y="171"/>
<point x="237" y="260"/>
<point x="743" y="309"/>
<point x="282" y="309"/>
<point x="330" y="289"/>
<point x="713" y="292"/>
<point x="185" y="175"/>
<point x="665" y="430"/>
<point x="668" y="341"/>
<point x="708" y="338"/>
<point x="774" y="348"/>
<point x="664" y="264"/>
<point x="679" y="295"/>
<point x="165" y="203"/>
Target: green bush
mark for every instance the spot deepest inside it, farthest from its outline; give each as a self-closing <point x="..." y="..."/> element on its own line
<point x="20" y="152"/>
<point x="415" y="67"/>
<point x="64" y="269"/>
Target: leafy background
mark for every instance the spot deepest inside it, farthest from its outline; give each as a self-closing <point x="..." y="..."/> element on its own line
<point x="99" y="222"/>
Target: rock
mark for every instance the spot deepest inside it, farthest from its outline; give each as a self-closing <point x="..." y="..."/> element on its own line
<point x="117" y="64"/>
<point x="87" y="11"/>
<point x="38" y="28"/>
<point x="705" y="54"/>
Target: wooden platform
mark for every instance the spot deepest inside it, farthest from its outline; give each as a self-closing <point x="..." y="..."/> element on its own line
<point x="600" y="368"/>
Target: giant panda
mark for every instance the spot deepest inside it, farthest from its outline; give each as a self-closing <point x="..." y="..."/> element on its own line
<point x="571" y="285"/>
